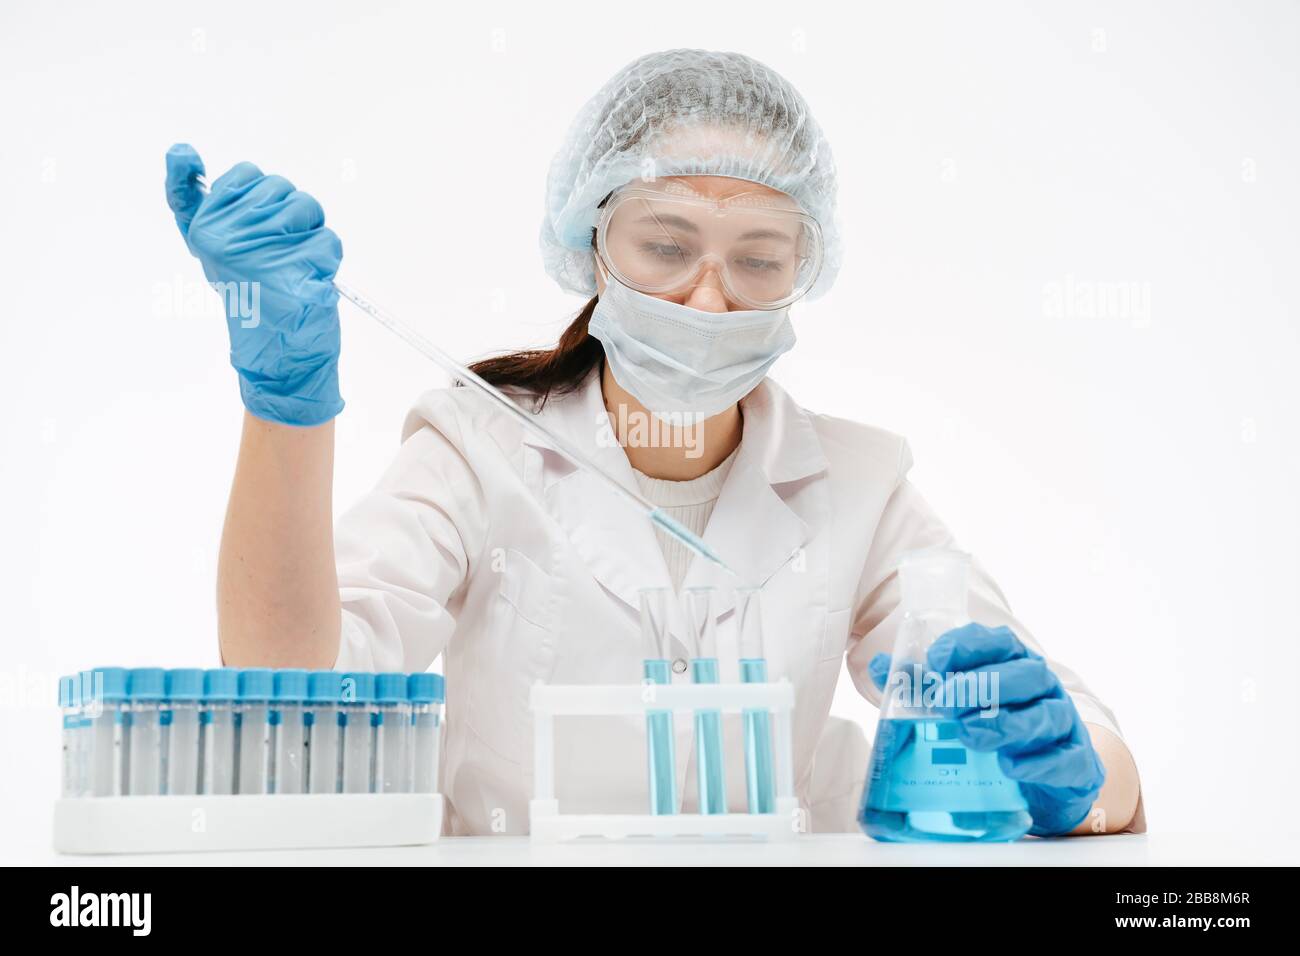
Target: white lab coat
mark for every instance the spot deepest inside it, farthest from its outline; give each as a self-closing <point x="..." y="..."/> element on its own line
<point x="482" y="544"/>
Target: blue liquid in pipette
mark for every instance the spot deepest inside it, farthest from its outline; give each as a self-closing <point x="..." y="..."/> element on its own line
<point x="659" y="745"/>
<point x="758" y="742"/>
<point x="688" y="538"/>
<point x="708" y="743"/>
<point x="924" y="784"/>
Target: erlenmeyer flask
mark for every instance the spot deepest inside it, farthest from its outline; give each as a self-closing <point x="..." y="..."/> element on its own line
<point x="923" y="783"/>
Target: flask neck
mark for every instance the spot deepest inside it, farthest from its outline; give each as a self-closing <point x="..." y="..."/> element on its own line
<point x="935" y="582"/>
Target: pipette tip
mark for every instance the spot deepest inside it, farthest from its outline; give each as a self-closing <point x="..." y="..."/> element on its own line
<point x="689" y="538"/>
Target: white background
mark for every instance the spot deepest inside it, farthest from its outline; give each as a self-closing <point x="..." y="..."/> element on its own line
<point x="1129" y="476"/>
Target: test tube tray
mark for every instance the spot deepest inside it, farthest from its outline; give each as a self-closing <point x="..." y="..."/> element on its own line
<point x="547" y="824"/>
<point x="188" y="824"/>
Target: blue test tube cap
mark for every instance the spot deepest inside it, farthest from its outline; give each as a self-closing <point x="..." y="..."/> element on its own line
<point x="324" y="687"/>
<point x="291" y="685"/>
<point x="390" y="688"/>
<point x="358" y="687"/>
<point x="256" y="683"/>
<point x="147" y="683"/>
<point x="185" y="683"/>
<point x="106" y="683"/>
<point x="426" y="688"/>
<point x="221" y="683"/>
<point x="65" y="692"/>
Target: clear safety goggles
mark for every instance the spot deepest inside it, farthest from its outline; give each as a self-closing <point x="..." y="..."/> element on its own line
<point x="665" y="238"/>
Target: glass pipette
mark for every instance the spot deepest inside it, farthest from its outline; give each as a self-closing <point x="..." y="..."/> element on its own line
<point x="468" y="377"/>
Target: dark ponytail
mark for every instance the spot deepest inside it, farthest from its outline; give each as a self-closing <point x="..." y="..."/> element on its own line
<point x="557" y="371"/>
<point x="549" y="371"/>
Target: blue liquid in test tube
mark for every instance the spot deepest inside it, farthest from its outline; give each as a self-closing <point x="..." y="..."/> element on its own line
<point x="656" y="606"/>
<point x="759" y="779"/>
<point x="710" y="774"/>
<point x="708" y="743"/>
<point x="659" y="744"/>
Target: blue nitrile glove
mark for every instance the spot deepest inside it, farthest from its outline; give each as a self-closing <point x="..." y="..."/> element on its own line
<point x="266" y="244"/>
<point x="1040" y="738"/>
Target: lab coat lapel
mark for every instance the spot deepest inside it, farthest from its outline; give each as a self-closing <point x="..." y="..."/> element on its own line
<point x="753" y="528"/>
<point x="615" y="541"/>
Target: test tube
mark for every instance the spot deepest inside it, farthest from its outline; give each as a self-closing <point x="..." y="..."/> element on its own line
<point x="145" y="688"/>
<point x="104" y="706"/>
<point x="218" y="731"/>
<point x="702" y="629"/>
<point x="322" y="721"/>
<point x="256" y="687"/>
<point x="393" y="734"/>
<point x="288" y="731"/>
<point x="180" y="731"/>
<point x="656" y="612"/>
<point x="359" y="726"/>
<point x="426" y="693"/>
<point x="89" y="707"/>
<point x="70" y="709"/>
<point x="759" y="780"/>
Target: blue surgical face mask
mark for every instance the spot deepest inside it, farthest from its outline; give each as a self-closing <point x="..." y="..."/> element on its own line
<point x="683" y="364"/>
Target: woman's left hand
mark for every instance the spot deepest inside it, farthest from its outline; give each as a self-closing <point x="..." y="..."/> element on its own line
<point x="1030" y="721"/>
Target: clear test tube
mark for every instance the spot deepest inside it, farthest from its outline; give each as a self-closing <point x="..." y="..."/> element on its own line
<point x="699" y="606"/>
<point x="426" y="694"/>
<point x="288" y="732"/>
<point x="82" y="695"/>
<point x="656" y="669"/>
<point x="393" y="734"/>
<point x="359" y="726"/>
<point x="70" y="711"/>
<point x="219" y="733"/>
<point x="104" y="706"/>
<point x="323" y="720"/>
<point x="180" y="731"/>
<point x="146" y="687"/>
<point x="89" y="707"/>
<point x="256" y="685"/>
<point x="760" y="782"/>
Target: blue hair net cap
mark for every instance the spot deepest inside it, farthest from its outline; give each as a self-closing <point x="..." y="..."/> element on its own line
<point x="685" y="113"/>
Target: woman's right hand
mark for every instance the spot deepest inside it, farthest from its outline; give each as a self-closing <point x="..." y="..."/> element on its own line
<point x="264" y="248"/>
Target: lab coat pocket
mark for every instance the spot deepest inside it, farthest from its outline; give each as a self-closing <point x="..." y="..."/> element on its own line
<point x="526" y="588"/>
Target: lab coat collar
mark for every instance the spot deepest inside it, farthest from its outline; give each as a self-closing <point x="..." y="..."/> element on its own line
<point x="752" y="527"/>
<point x="778" y="436"/>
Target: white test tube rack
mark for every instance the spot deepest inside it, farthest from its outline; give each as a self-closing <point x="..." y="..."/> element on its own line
<point x="188" y="824"/>
<point x="548" y="701"/>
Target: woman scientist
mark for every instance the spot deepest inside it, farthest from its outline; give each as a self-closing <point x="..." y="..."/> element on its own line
<point x="694" y="203"/>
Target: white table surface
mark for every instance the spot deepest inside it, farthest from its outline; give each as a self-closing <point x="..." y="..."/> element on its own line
<point x="1159" y="849"/>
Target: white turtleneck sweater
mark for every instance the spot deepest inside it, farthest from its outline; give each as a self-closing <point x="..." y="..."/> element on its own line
<point x="690" y="502"/>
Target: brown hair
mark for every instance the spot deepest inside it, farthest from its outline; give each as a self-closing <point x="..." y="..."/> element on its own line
<point x="545" y="372"/>
<point x="556" y="371"/>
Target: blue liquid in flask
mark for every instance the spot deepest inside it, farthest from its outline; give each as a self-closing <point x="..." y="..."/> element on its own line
<point x="925" y="785"/>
